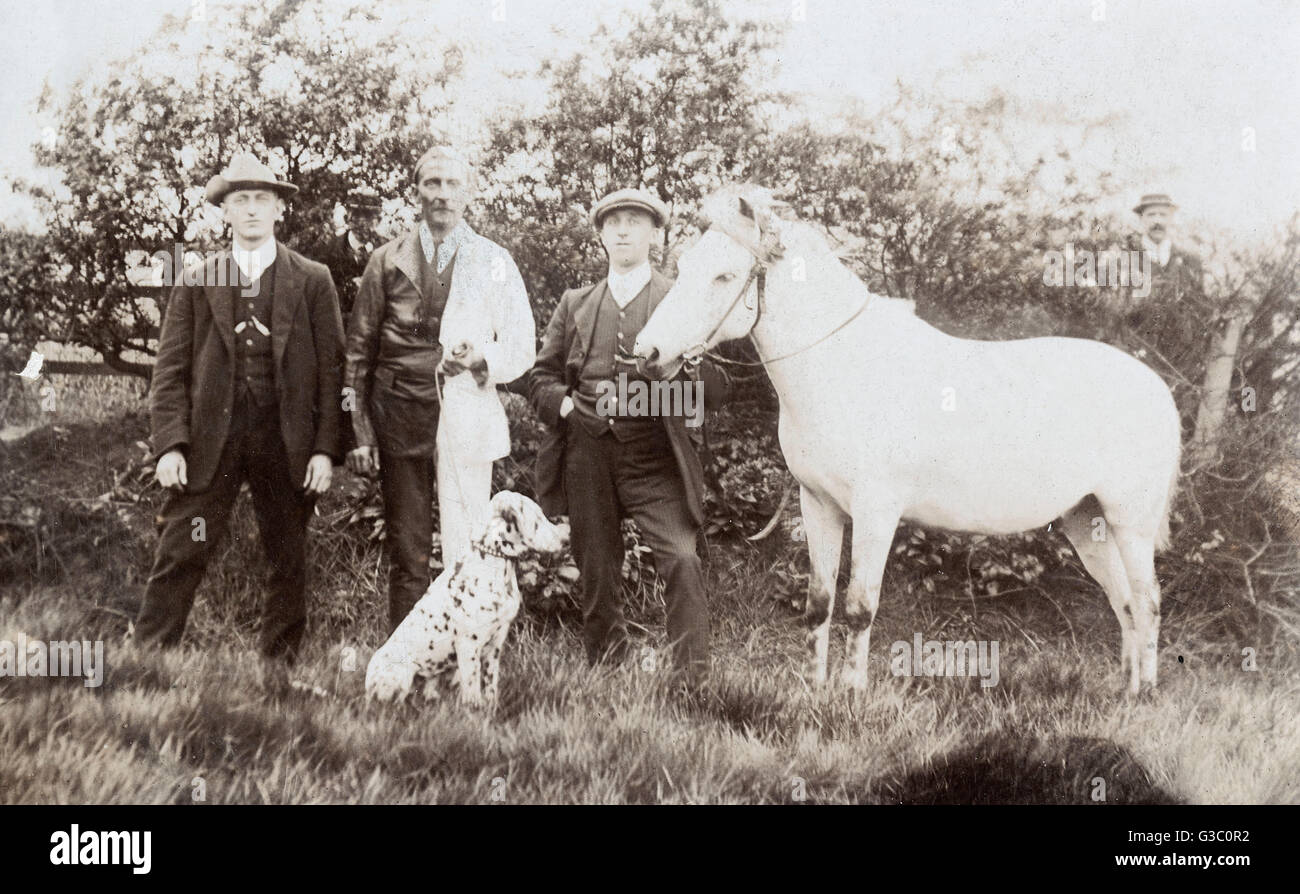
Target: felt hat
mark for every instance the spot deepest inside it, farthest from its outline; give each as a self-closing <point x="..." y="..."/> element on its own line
<point x="246" y="172"/>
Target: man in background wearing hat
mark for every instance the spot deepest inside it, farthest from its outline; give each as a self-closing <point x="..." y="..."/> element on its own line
<point x="346" y="253"/>
<point x="600" y="466"/>
<point x="439" y="301"/>
<point x="246" y="388"/>
<point x="1174" y="319"/>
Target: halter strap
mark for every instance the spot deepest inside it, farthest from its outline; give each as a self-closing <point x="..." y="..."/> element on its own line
<point x="769" y="250"/>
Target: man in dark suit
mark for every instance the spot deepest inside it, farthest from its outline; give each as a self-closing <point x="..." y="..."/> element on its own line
<point x="1167" y="322"/>
<point x="246" y="388"/>
<point x="346" y="253"/>
<point x="600" y="462"/>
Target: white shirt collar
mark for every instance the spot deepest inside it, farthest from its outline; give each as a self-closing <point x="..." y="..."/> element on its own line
<point x="253" y="263"/>
<point x="626" y="286"/>
<point x="459" y="235"/>
<point x="1161" y="251"/>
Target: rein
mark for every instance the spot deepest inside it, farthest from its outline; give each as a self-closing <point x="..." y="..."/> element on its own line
<point x="757" y="272"/>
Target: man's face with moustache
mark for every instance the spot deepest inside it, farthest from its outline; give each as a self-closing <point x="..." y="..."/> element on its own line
<point x="1157" y="221"/>
<point x="444" y="191"/>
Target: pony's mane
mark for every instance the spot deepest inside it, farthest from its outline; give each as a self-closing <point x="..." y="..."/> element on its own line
<point x="721" y="210"/>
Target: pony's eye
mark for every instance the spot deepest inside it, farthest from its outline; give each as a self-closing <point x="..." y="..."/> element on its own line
<point x="724" y="277"/>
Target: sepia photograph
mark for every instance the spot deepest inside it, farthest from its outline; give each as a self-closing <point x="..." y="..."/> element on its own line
<point x="650" y="402"/>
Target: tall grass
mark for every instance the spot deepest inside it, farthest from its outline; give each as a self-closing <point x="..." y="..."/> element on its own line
<point x="212" y="722"/>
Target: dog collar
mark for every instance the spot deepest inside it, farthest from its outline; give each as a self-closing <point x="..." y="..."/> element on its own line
<point x="484" y="548"/>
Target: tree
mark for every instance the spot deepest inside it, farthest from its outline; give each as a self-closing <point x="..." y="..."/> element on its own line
<point x="668" y="103"/>
<point x="1256" y="341"/>
<point x="328" y="99"/>
<point x="926" y="205"/>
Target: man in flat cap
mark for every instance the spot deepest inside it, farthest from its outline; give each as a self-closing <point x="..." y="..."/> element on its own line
<point x="438" y="302"/>
<point x="246" y="388"/>
<point x="600" y="463"/>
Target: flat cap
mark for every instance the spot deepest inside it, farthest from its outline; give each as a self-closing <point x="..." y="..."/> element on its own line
<point x="364" y="200"/>
<point x="630" y="198"/>
<point x="245" y="172"/>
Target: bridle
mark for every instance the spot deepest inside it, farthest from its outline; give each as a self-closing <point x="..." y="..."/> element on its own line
<point x="692" y="357"/>
<point x="767" y="250"/>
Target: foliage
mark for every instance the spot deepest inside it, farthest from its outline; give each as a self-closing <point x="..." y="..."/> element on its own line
<point x="926" y="201"/>
<point x="668" y="103"/>
<point x="333" y="104"/>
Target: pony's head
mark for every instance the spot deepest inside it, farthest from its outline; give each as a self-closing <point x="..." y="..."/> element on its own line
<point x="715" y="297"/>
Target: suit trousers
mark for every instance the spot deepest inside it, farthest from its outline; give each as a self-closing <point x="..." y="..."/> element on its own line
<point x="606" y="478"/>
<point x="192" y="524"/>
<point x="408" y="484"/>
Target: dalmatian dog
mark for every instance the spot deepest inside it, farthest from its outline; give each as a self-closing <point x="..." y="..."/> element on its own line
<point x="461" y="621"/>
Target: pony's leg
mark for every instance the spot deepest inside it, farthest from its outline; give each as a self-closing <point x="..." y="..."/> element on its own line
<point x="1102" y="559"/>
<point x="823" y="523"/>
<point x="873" y="532"/>
<point x="1137" y="546"/>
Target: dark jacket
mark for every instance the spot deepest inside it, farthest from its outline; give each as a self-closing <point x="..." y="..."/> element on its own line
<point x="393" y="353"/>
<point x="346" y="265"/>
<point x="1175" y="317"/>
<point x="555" y="374"/>
<point x="193" y="388"/>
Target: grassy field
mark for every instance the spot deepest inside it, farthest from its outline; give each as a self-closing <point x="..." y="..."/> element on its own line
<point x="211" y="722"/>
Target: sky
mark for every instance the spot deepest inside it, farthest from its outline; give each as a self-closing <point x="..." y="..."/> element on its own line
<point x="1199" y="98"/>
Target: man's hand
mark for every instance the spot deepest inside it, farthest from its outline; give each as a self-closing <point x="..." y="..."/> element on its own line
<point x="170" y="471"/>
<point x="320" y="469"/>
<point x="566" y="407"/>
<point x="364" y="461"/>
<point x="464" y="356"/>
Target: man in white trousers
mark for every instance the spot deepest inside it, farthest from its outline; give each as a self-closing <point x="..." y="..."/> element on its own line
<point x="440" y="304"/>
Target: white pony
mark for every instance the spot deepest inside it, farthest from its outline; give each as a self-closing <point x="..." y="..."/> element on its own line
<point x="884" y="417"/>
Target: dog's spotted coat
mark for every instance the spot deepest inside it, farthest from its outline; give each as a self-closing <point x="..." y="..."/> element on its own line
<point x="462" y="620"/>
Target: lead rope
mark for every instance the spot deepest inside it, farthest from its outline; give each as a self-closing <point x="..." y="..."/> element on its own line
<point x="438" y="380"/>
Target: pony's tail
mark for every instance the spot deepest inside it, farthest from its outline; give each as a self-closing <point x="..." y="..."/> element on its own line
<point x="1162" y="533"/>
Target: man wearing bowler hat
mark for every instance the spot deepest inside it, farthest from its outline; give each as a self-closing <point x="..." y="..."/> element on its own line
<point x="1166" y="322"/>
<point x="246" y="388"/>
<point x="600" y="465"/>
<point x="1175" y="270"/>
